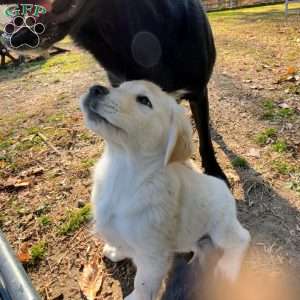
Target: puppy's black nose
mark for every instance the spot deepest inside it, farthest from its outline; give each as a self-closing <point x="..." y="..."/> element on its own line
<point x="98" y="90"/>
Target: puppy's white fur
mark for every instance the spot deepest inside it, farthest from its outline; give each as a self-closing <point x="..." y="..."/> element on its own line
<point x="149" y="201"/>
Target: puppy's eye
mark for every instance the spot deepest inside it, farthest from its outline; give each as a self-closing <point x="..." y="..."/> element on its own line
<point x="144" y="100"/>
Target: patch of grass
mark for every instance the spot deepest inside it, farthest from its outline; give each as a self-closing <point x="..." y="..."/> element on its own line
<point x="294" y="184"/>
<point x="33" y="130"/>
<point x="58" y="117"/>
<point x="38" y="251"/>
<point x="268" y="110"/>
<point x="6" y="139"/>
<point x="66" y="63"/>
<point x="280" y="146"/>
<point x="263" y="137"/>
<point x="269" y="104"/>
<point x="88" y="163"/>
<point x="84" y="136"/>
<point x="30" y="142"/>
<point x="239" y="162"/>
<point x="6" y="144"/>
<point x="75" y="219"/>
<point x="272" y="112"/>
<point x="282" y="167"/>
<point x="285" y="113"/>
<point x="21" y="211"/>
<point x="44" y="220"/>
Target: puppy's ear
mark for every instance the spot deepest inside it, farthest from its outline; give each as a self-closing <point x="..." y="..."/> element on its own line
<point x="179" y="144"/>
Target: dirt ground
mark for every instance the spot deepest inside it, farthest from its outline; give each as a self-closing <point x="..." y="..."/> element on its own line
<point x="46" y="155"/>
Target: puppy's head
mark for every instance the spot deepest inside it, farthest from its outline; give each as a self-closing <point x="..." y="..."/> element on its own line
<point x="139" y="116"/>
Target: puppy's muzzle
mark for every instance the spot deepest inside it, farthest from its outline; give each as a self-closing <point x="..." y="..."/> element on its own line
<point x="95" y="95"/>
<point x="98" y="91"/>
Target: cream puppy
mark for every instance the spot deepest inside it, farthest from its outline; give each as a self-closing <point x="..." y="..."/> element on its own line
<point x="149" y="201"/>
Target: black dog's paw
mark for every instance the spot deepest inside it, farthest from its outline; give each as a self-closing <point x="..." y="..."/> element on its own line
<point x="24" y="32"/>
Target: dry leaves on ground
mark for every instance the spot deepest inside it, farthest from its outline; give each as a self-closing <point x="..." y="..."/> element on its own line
<point x="92" y="278"/>
<point x="23" y="254"/>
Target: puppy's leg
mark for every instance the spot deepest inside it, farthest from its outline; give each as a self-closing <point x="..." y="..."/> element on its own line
<point x="234" y="241"/>
<point x="150" y="273"/>
<point x="115" y="254"/>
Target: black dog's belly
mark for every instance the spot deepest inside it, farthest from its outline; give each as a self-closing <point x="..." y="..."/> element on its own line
<point x="167" y="42"/>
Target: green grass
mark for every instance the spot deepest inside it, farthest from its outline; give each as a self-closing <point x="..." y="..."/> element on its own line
<point x="282" y="167"/>
<point x="38" y="251"/>
<point x="285" y="113"/>
<point x="66" y="63"/>
<point x="268" y="109"/>
<point x="85" y="136"/>
<point x="88" y="163"/>
<point x="33" y="130"/>
<point x="56" y="118"/>
<point x="280" y="146"/>
<point x="264" y="137"/>
<point x="239" y="162"/>
<point x="294" y="184"/>
<point x="30" y="142"/>
<point x="75" y="219"/>
<point x="44" y="220"/>
<point x="6" y="144"/>
<point x="272" y="112"/>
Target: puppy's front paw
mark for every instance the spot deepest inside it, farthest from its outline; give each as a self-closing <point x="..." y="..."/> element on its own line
<point x="228" y="270"/>
<point x="112" y="253"/>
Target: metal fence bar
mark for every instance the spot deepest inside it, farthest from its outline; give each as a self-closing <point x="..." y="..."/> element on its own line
<point x="286" y="6"/>
<point x="213" y="5"/>
<point x="15" y="281"/>
<point x="3" y="291"/>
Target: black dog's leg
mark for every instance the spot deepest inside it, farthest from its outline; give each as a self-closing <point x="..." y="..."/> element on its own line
<point x="114" y="80"/>
<point x="200" y="109"/>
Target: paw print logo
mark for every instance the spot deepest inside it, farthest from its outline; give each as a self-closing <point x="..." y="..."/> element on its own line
<point x="23" y="31"/>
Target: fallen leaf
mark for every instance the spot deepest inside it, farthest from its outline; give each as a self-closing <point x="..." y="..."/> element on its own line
<point x="291" y="78"/>
<point x="291" y="70"/>
<point x="91" y="279"/>
<point x="266" y="67"/>
<point x="33" y="171"/>
<point x="23" y="254"/>
<point x="284" y="105"/>
<point x="21" y="184"/>
<point x="13" y="183"/>
<point x="254" y="153"/>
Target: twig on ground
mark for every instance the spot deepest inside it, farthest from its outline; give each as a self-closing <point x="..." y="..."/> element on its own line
<point x="73" y="246"/>
<point x="45" y="140"/>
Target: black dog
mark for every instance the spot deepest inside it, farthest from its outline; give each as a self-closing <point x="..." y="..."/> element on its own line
<point x="168" y="42"/>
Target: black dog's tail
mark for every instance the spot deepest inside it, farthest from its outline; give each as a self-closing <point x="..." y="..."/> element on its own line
<point x="183" y="282"/>
<point x="188" y="279"/>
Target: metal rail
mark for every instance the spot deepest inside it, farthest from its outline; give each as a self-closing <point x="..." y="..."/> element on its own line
<point x="14" y="282"/>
